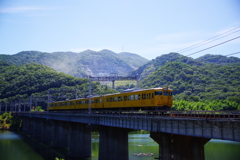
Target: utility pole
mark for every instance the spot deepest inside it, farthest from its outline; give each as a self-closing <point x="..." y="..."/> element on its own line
<point x="30" y="103"/>
<point x="90" y="95"/>
<point x="48" y="101"/>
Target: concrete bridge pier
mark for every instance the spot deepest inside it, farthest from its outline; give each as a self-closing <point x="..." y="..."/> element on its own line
<point x="80" y="140"/>
<point x="28" y="125"/>
<point x="179" y="147"/>
<point x="59" y="135"/>
<point x="37" y="127"/>
<point x="47" y="131"/>
<point x="24" y="124"/>
<point x="113" y="143"/>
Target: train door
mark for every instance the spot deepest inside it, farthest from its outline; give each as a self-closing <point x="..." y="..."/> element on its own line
<point x="152" y="99"/>
<point x="165" y="97"/>
<point x="124" y="100"/>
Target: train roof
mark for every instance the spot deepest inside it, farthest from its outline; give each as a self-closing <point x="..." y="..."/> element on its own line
<point x="136" y="90"/>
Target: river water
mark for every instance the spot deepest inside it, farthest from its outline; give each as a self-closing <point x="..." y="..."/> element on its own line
<point x="12" y="147"/>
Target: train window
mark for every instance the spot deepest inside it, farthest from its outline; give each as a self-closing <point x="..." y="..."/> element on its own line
<point x="86" y="101"/>
<point x="144" y="96"/>
<point x="165" y="93"/>
<point x="158" y="93"/>
<point x="136" y="97"/>
<point x="139" y="97"/>
<point x="125" y="98"/>
<point x="119" y="99"/>
<point x="152" y="95"/>
<point x="149" y="95"/>
<point x="131" y="97"/>
<point x="100" y="100"/>
<point x="115" y="99"/>
<point x="170" y="93"/>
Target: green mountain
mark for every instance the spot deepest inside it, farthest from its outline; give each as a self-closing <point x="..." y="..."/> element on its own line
<point x="20" y="81"/>
<point x="153" y="65"/>
<point x="156" y="63"/>
<point x="80" y="64"/>
<point x="218" y="59"/>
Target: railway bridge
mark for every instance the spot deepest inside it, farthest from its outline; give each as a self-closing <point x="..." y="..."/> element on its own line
<point x="181" y="135"/>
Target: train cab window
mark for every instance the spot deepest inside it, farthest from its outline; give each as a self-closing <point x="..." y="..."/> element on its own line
<point x="165" y="93"/>
<point x="158" y="93"/>
<point x="170" y="93"/>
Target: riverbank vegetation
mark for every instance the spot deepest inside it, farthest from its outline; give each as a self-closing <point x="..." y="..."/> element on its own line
<point x="5" y="121"/>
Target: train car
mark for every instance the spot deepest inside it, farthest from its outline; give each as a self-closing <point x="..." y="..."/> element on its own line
<point x="62" y="105"/>
<point x="133" y="99"/>
<point x="77" y="104"/>
<point x="96" y="103"/>
<point x="155" y="98"/>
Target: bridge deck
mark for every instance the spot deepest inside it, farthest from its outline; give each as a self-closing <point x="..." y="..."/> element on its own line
<point x="217" y="124"/>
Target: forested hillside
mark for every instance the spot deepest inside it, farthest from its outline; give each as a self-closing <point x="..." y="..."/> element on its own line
<point x="80" y="64"/>
<point x="156" y="63"/>
<point x="20" y="81"/>
<point x="198" y="83"/>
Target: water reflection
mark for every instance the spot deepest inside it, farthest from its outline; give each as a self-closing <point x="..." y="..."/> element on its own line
<point x="12" y="147"/>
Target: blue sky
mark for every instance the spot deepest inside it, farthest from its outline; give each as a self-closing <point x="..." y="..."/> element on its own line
<point x="149" y="28"/>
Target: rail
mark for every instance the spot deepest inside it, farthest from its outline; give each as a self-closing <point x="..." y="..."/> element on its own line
<point x="233" y="114"/>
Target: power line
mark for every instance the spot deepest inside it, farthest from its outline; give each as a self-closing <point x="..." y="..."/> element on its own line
<point x="214" y="46"/>
<point x="208" y="40"/>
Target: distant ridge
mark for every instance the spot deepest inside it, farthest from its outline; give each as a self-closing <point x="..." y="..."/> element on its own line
<point x="80" y="64"/>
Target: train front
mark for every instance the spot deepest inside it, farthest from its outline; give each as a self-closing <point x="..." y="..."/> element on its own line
<point x="163" y="98"/>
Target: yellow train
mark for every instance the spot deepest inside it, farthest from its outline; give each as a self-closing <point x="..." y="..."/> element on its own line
<point x="134" y="99"/>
